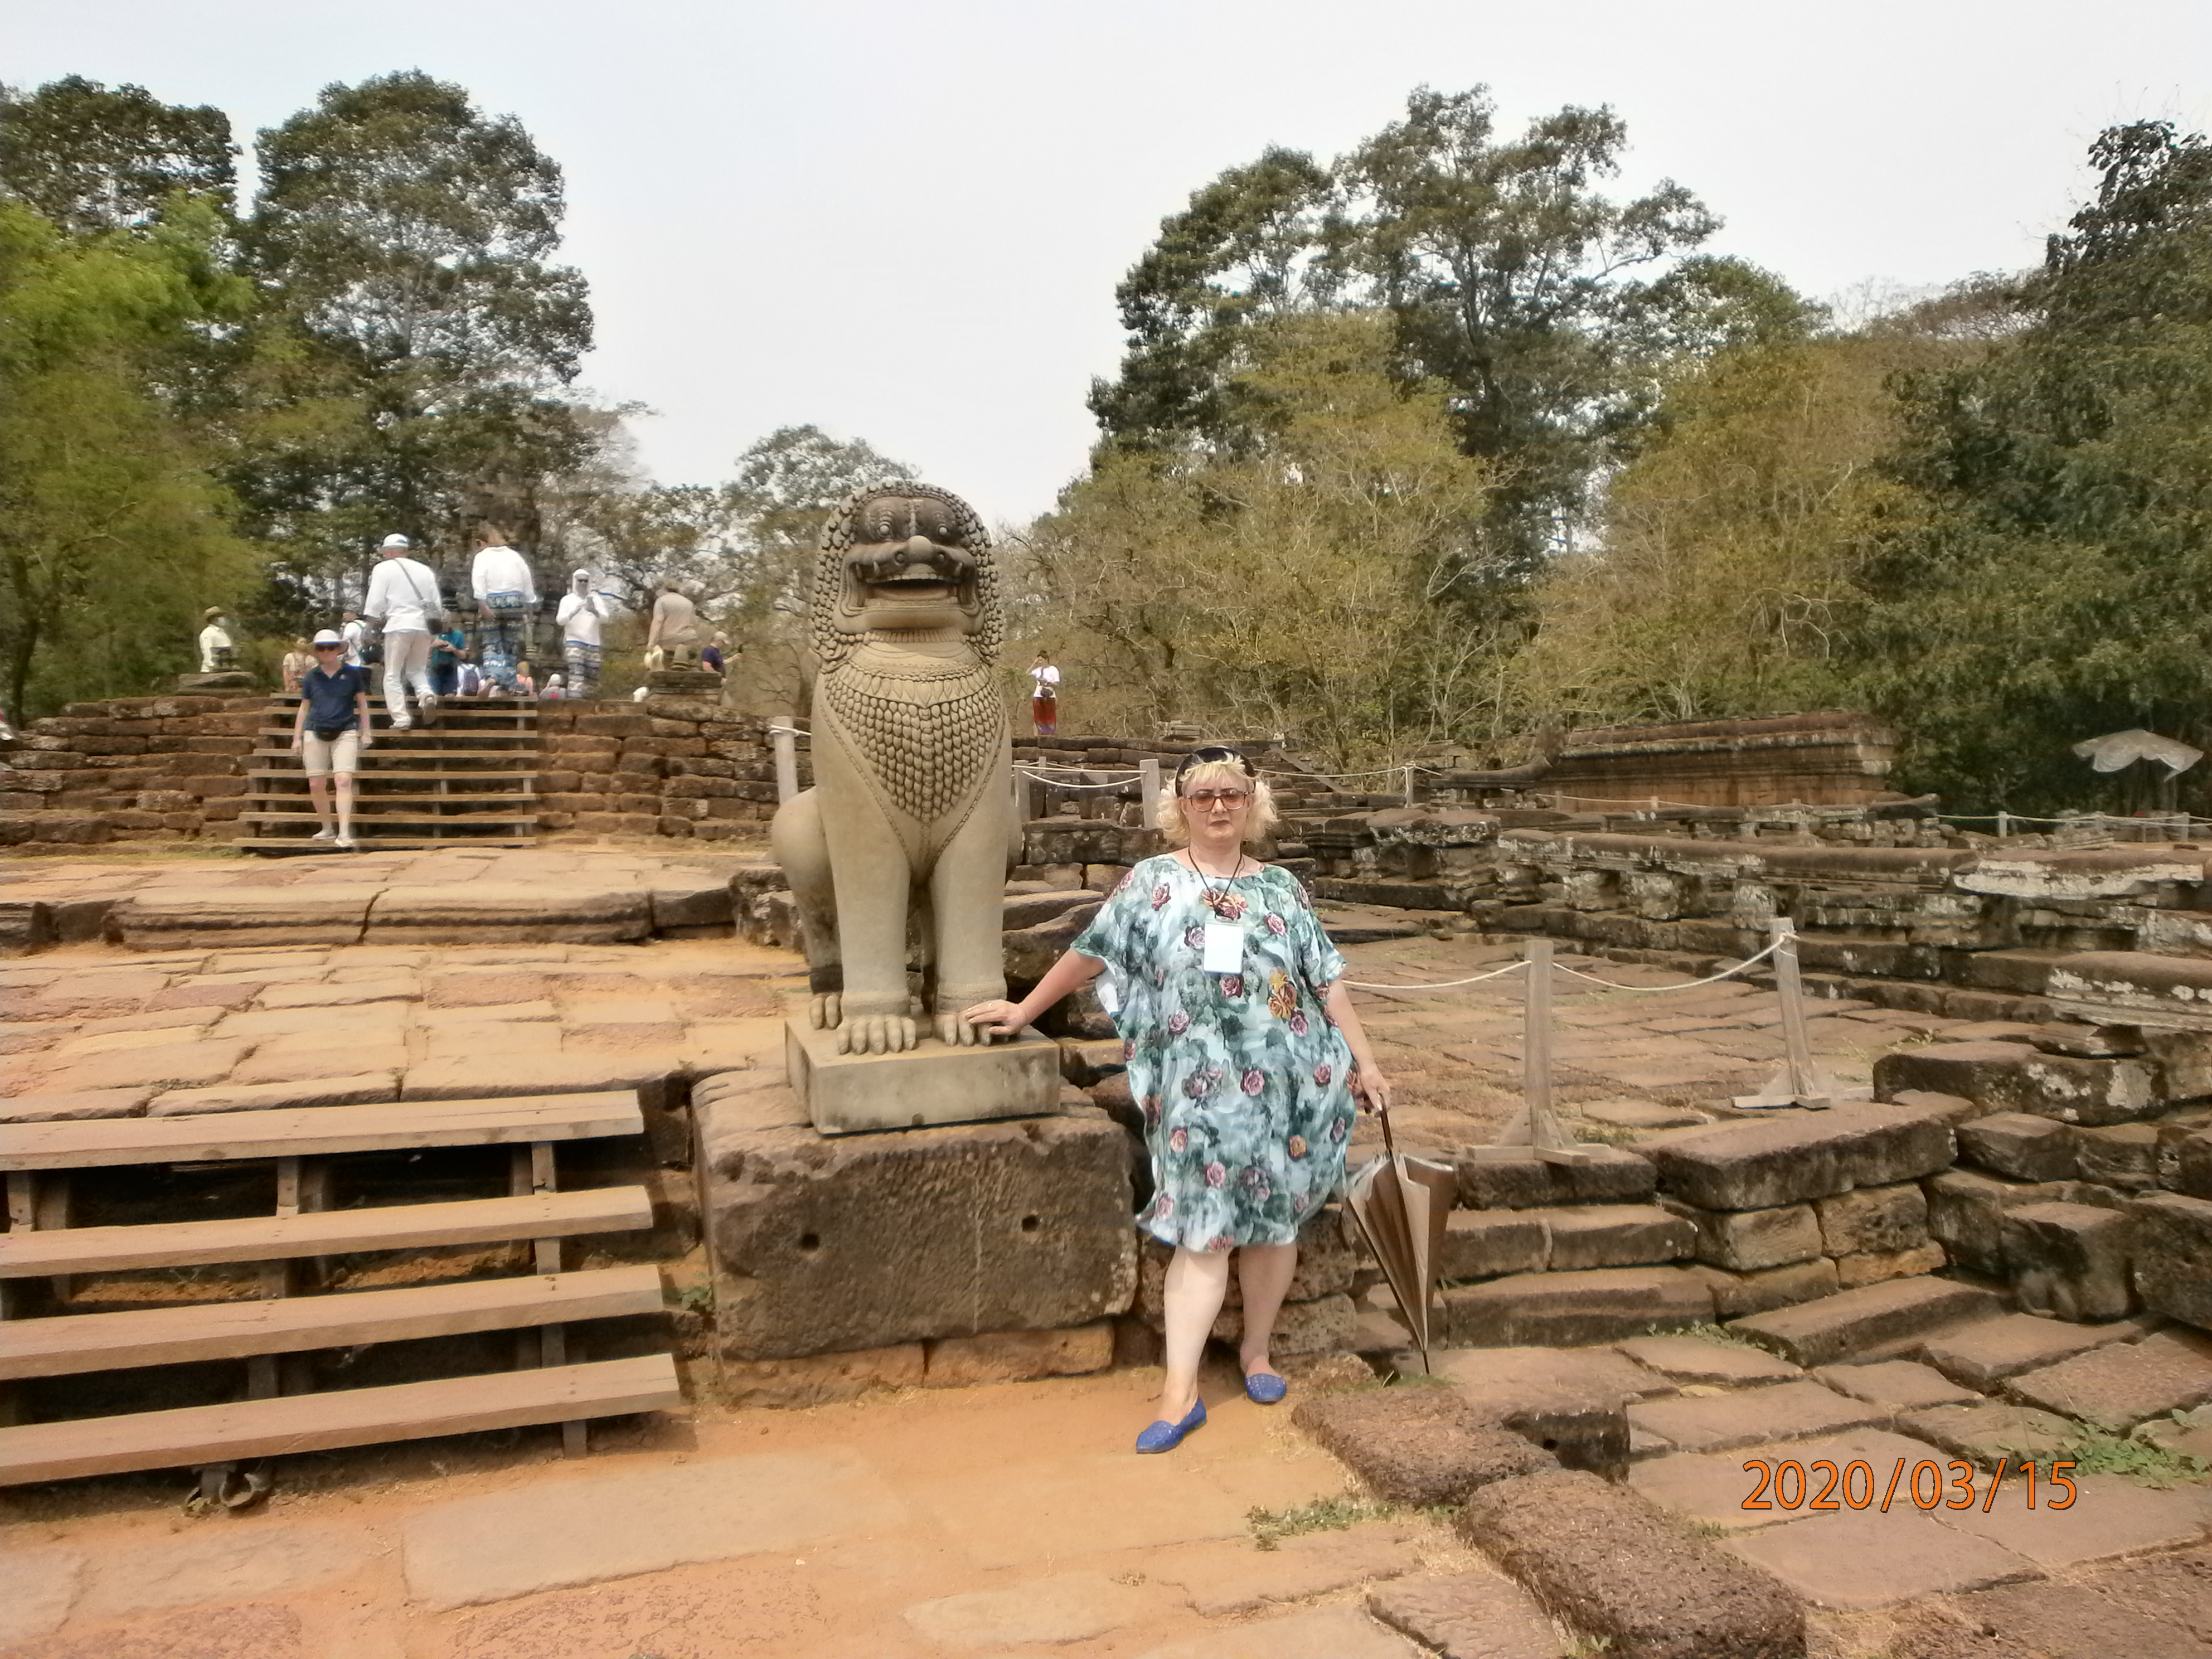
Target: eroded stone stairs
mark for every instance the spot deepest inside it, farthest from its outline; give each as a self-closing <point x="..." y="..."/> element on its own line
<point x="471" y="776"/>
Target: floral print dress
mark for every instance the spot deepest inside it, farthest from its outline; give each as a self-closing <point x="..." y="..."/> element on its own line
<point x="1244" y="1080"/>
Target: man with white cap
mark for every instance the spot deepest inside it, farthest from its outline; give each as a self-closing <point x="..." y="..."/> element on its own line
<point x="403" y="593"/>
<point x="581" y="613"/>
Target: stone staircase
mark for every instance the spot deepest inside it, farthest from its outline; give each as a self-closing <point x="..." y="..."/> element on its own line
<point x="471" y="777"/>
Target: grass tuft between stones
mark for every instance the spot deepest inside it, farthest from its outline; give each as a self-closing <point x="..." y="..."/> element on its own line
<point x="2095" y="1451"/>
<point x="1719" y="1334"/>
<point x="1270" y="1526"/>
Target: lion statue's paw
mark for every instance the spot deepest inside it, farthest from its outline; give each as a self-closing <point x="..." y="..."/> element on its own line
<point x="824" y="1012"/>
<point x="957" y="1032"/>
<point x="875" y="1034"/>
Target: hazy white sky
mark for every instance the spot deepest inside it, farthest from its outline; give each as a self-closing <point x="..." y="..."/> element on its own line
<point x="904" y="219"/>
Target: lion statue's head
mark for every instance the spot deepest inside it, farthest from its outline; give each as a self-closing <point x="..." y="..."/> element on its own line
<point x="903" y="558"/>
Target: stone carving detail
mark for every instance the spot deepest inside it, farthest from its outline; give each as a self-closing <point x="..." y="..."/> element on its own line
<point x="910" y="825"/>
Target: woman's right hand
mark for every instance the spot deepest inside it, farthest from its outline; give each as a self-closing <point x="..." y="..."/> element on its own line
<point x="1005" y="1018"/>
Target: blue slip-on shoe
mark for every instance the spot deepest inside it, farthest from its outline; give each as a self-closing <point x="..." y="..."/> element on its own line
<point x="1164" y="1435"/>
<point x="1265" y="1388"/>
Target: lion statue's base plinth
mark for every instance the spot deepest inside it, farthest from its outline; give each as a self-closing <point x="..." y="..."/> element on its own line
<point x="932" y="1083"/>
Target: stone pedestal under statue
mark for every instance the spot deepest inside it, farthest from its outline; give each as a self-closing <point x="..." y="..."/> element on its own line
<point x="932" y="1083"/>
<point x="683" y="683"/>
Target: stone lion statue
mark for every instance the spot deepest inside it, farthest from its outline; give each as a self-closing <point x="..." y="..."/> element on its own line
<point x="906" y="832"/>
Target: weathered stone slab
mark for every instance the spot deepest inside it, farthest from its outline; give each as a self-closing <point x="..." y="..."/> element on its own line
<point x="1863" y="1560"/>
<point x="1873" y="1267"/>
<point x="958" y="1362"/>
<point x="1422" y="1445"/>
<point x="1486" y="1244"/>
<point x="2005" y="1077"/>
<point x="821" y="1379"/>
<point x="1746" y="1241"/>
<point x="1228" y="1577"/>
<point x="222" y="1565"/>
<point x="1990" y="1433"/>
<point x="560" y="912"/>
<point x="1696" y="1360"/>
<point x="1811" y="1155"/>
<point x="1735" y="1294"/>
<point x="358" y="1089"/>
<point x="2019" y="1145"/>
<point x="2126" y="1384"/>
<point x="2068" y="1260"/>
<point x="1710" y="1488"/>
<point x="2144" y="1609"/>
<point x="2174" y="1256"/>
<point x="824" y="1245"/>
<point x="1568" y="1309"/>
<point x="1966" y="1211"/>
<point x="1329" y="1632"/>
<point x="936" y="1083"/>
<point x="79" y="1104"/>
<point x="231" y="917"/>
<point x="1900" y="1384"/>
<point x="1503" y="1380"/>
<point x="1583" y="1431"/>
<point x="1069" y="1606"/>
<point x="2124" y="1156"/>
<point x="1787" y="1411"/>
<point x="1879" y="1219"/>
<point x="1618" y="1569"/>
<point x="1862" y="1322"/>
<point x="42" y="1586"/>
<point x="2109" y="1516"/>
<point x="1613" y="1236"/>
<point x="546" y="1534"/>
<point x="1617" y="1176"/>
<point x="1467" y="1615"/>
<point x="1983" y="1355"/>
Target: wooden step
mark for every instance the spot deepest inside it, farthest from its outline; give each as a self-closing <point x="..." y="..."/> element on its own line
<point x="302" y="846"/>
<point x="68" y="1344"/>
<point x="316" y="1131"/>
<point x="36" y="1254"/>
<point x="295" y="776"/>
<point x="323" y="1422"/>
<point x="363" y="814"/>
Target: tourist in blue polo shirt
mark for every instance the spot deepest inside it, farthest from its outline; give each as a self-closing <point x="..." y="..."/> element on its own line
<point x="332" y="731"/>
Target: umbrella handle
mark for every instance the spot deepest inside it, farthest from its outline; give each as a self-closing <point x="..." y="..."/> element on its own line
<point x="1389" y="1141"/>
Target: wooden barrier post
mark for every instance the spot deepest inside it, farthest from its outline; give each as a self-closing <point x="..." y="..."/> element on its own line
<point x="787" y="762"/>
<point x="1148" y="786"/>
<point x="1409" y="785"/>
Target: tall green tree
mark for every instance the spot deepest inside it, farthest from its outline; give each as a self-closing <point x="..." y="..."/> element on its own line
<point x="112" y="533"/>
<point x="406" y="240"/>
<point x="1552" y="313"/>
<point x="89" y="158"/>
<point x="2047" y="580"/>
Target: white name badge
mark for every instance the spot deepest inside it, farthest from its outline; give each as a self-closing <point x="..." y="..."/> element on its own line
<point x="1224" y="948"/>
<point x="1109" y="996"/>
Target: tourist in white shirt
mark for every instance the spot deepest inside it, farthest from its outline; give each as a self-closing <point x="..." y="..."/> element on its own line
<point x="506" y="598"/>
<point x="403" y="593"/>
<point x="582" y="611"/>
<point x="355" y="637"/>
<point x="217" y="654"/>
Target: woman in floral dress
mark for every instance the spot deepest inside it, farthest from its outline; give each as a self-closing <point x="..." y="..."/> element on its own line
<point x="1244" y="1052"/>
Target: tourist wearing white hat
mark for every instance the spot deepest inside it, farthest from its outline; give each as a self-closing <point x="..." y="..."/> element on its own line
<point x="217" y="652"/>
<point x="330" y="731"/>
<point x="403" y="593"/>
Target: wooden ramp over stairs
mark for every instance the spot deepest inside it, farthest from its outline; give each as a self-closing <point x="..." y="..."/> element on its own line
<point x="278" y="1415"/>
<point x="468" y="775"/>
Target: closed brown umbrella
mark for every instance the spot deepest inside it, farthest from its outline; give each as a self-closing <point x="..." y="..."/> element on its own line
<point x="1400" y="1204"/>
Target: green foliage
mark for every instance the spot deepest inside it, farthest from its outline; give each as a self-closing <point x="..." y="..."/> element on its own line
<point x="2098" y="1451"/>
<point x="113" y="535"/>
<point x="405" y="241"/>
<point x="88" y="159"/>
<point x="1510" y="282"/>
<point x="1293" y="580"/>
<point x="2047" y="583"/>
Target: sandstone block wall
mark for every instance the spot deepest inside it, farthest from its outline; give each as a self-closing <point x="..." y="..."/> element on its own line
<point x="128" y="768"/>
<point x="668" y="766"/>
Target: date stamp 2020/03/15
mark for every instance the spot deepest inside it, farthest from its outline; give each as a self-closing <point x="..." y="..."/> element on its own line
<point x="1822" y="1484"/>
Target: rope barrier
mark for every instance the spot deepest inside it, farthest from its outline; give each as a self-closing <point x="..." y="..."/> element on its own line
<point x="1610" y="985"/>
<point x="1509" y="968"/>
<point x="1056" y="783"/>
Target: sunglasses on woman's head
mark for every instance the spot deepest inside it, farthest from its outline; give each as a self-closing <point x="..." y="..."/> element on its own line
<point x="1212" y="756"/>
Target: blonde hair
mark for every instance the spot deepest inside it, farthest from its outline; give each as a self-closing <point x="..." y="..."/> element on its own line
<point x="1259" y="816"/>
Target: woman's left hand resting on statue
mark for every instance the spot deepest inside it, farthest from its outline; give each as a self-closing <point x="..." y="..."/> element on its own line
<point x="1073" y="971"/>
